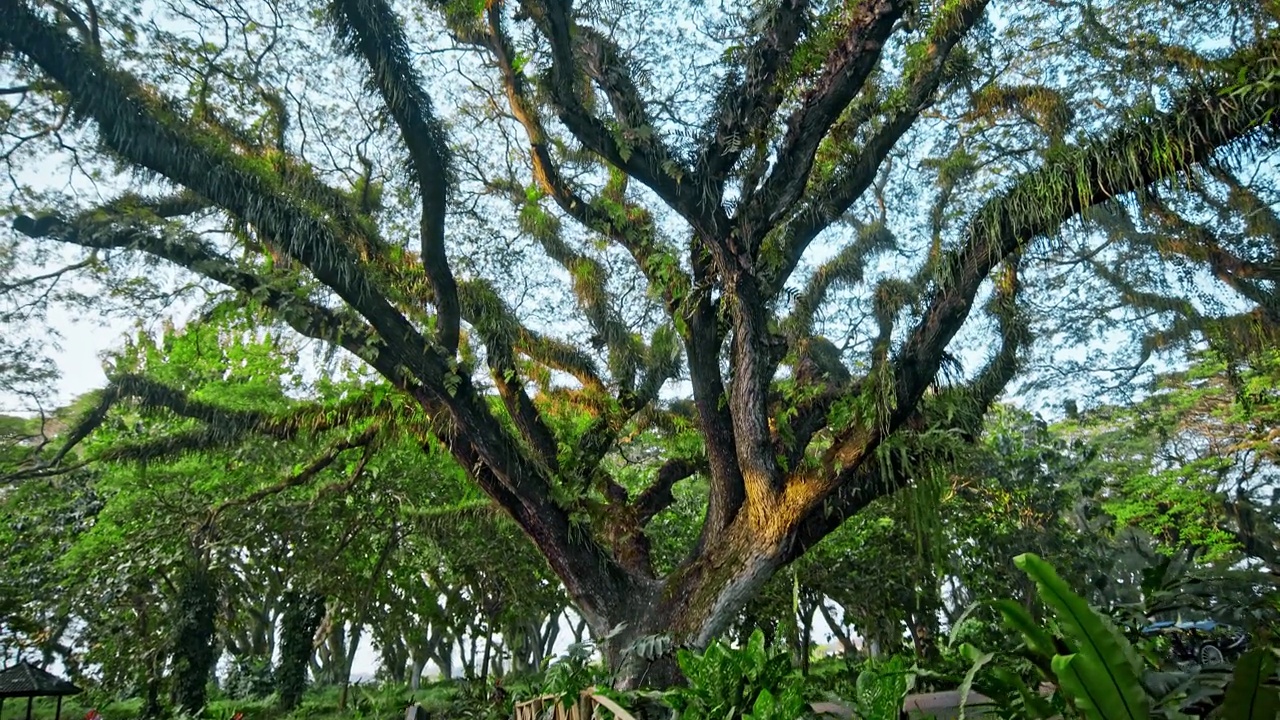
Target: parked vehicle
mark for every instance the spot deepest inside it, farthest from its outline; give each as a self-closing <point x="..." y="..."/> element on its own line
<point x="1204" y="642"/>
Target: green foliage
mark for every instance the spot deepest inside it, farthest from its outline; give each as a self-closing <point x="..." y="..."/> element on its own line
<point x="1094" y="670"/>
<point x="752" y="681"/>
<point x="881" y="686"/>
<point x="1249" y="697"/>
<point x="1101" y="672"/>
<point x="571" y="674"/>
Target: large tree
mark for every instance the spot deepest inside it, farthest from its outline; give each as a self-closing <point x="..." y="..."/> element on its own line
<point x="751" y="167"/>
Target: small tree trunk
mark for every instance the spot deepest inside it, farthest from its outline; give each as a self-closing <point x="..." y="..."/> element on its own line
<point x="151" y="708"/>
<point x="469" y="660"/>
<point x="443" y="657"/>
<point x="579" y="629"/>
<point x="299" y="623"/>
<point x="484" y="663"/>
<point x="499" y="667"/>
<point x="194" y="630"/>
<point x="394" y="661"/>
<point x="806" y="637"/>
<point x="348" y="659"/>
<point x="548" y="641"/>
<point x="837" y="629"/>
<point x="415" y="673"/>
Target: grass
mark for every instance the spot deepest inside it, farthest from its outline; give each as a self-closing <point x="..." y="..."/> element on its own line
<point x="364" y="702"/>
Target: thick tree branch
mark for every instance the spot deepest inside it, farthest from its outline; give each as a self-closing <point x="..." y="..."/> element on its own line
<point x="528" y="420"/>
<point x="222" y="426"/>
<point x="604" y="62"/>
<point x="704" y="341"/>
<point x="756" y="351"/>
<point x="646" y="159"/>
<point x="633" y="228"/>
<point x="917" y="92"/>
<point x="749" y="100"/>
<point x="306" y="474"/>
<point x="658" y="496"/>
<point x="869" y="481"/>
<point x="847" y="68"/>
<point x="107" y="230"/>
<point x="1040" y="201"/>
<point x="375" y="34"/>
<point x="1015" y="335"/>
<point x="130" y="124"/>
<point x="588" y="275"/>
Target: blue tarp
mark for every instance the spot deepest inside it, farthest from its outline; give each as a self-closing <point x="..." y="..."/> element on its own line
<point x="1205" y="625"/>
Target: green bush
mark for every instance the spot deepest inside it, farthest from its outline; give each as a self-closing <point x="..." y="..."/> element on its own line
<point x="249" y="678"/>
<point x="754" y="682"/>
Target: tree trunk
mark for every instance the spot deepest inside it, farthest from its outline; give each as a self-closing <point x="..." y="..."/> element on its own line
<point x="578" y="628"/>
<point x="837" y="629"/>
<point x="547" y="642"/>
<point x="348" y="659"/>
<point x="334" y="649"/>
<point x="468" y="659"/>
<point x="300" y="621"/>
<point x="484" y="663"/>
<point x="415" y="673"/>
<point x="498" y="669"/>
<point x="151" y="709"/>
<point x="806" y="636"/>
<point x="443" y="657"/>
<point x="694" y="606"/>
<point x="393" y="659"/>
<point x="194" y="630"/>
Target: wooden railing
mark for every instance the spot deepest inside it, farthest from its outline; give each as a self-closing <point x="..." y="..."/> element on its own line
<point x="587" y="707"/>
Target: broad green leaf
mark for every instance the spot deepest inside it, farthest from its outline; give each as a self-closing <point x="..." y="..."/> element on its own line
<point x="1247" y="697"/>
<point x="978" y="660"/>
<point x="1102" y="676"/>
<point x="1090" y="685"/>
<point x="1017" y="618"/>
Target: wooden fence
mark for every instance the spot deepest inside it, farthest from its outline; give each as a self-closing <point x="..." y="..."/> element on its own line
<point x="589" y="703"/>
